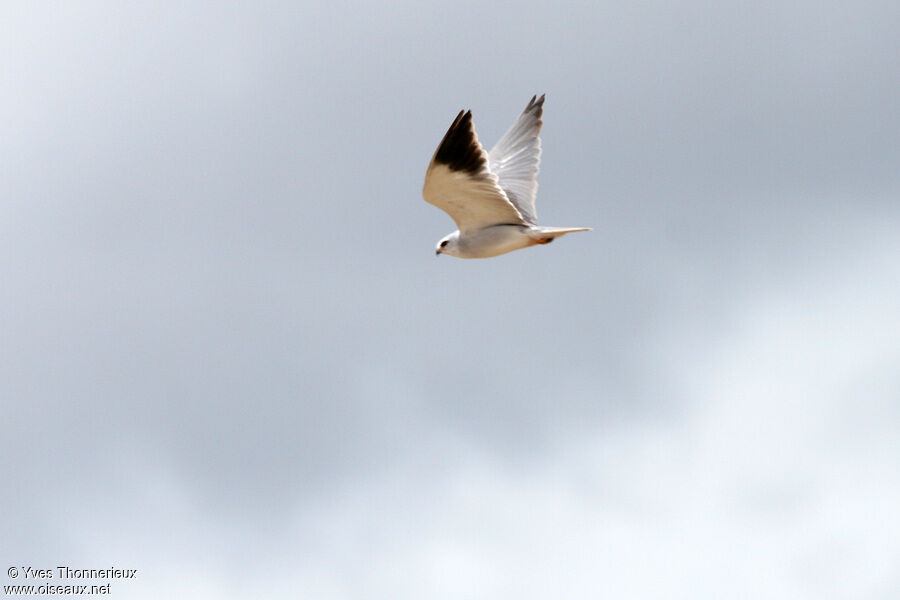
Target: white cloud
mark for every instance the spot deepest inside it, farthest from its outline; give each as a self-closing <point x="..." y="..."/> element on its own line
<point x="779" y="481"/>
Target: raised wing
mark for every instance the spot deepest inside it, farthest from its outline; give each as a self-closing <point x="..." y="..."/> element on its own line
<point x="516" y="159"/>
<point x="459" y="182"/>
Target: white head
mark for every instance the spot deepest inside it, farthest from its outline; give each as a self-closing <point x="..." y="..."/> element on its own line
<point x="448" y="245"/>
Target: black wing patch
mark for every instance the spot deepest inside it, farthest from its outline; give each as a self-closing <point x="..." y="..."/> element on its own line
<point x="459" y="149"/>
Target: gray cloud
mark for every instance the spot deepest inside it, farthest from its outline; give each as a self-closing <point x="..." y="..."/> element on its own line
<point x="227" y="346"/>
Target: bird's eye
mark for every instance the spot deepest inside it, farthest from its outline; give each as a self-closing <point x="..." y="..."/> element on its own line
<point x="444" y="243"/>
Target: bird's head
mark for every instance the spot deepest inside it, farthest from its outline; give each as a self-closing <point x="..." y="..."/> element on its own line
<point x="448" y="245"/>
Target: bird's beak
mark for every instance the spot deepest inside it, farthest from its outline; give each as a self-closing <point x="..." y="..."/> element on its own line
<point x="437" y="252"/>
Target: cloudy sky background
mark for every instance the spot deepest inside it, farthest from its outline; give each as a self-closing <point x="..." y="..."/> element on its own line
<point x="230" y="359"/>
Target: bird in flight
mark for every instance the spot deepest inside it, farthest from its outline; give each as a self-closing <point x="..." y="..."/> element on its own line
<point x="490" y="195"/>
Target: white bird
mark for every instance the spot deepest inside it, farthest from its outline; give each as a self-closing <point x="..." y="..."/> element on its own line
<point x="490" y="195"/>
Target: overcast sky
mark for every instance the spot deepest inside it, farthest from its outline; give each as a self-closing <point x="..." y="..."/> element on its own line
<point x="230" y="359"/>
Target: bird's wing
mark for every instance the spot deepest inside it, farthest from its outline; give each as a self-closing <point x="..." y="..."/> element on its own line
<point x="516" y="158"/>
<point x="459" y="182"/>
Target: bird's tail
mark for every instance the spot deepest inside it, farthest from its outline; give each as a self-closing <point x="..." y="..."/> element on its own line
<point x="545" y="235"/>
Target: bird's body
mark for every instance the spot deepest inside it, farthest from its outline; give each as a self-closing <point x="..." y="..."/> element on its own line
<point x="500" y="239"/>
<point x="490" y="196"/>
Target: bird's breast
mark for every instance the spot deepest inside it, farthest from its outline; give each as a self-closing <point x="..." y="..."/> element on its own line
<point x="493" y="241"/>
